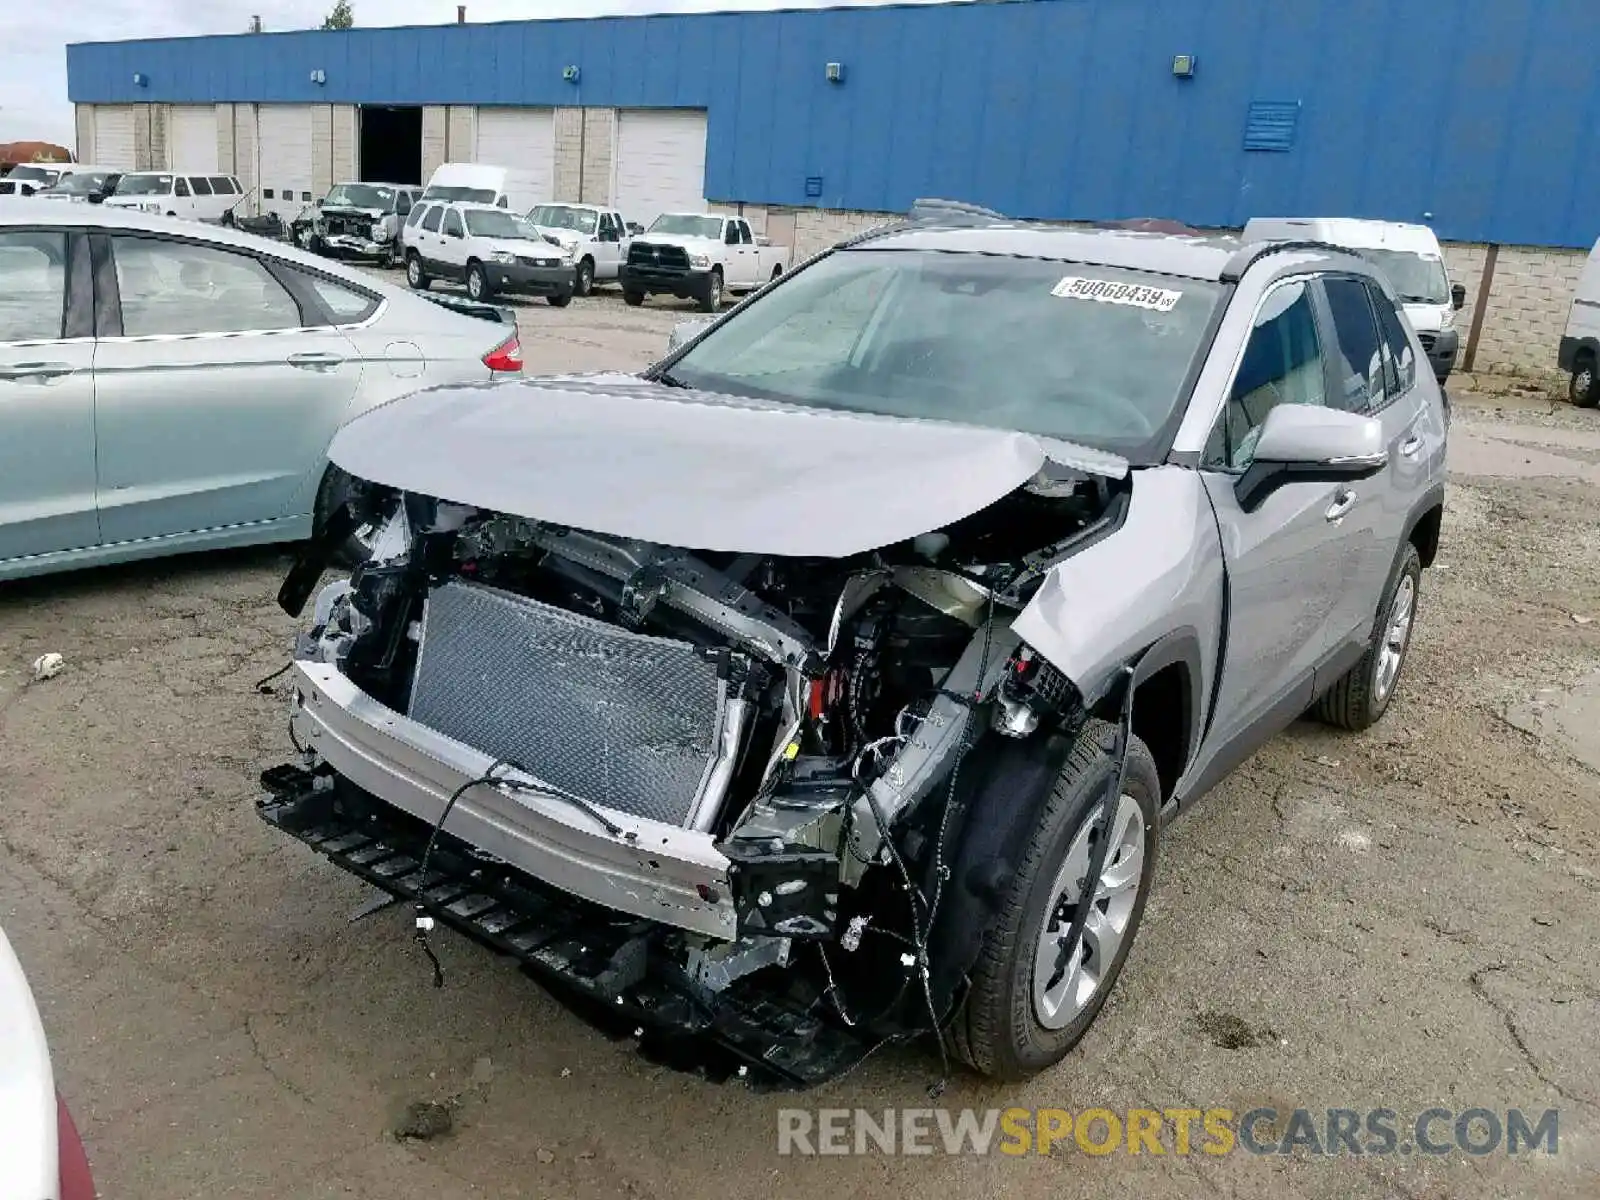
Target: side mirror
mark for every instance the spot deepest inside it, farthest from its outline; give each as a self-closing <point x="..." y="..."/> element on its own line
<point x="1458" y="296"/>
<point x="686" y="331"/>
<point x="1303" y="443"/>
<point x="635" y="227"/>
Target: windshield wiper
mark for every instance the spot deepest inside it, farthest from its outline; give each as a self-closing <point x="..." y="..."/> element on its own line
<point x="670" y="380"/>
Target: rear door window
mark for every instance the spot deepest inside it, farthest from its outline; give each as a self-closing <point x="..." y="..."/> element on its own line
<point x="1358" y="365"/>
<point x="431" y="221"/>
<point x="169" y="287"/>
<point x="1399" y="360"/>
<point x="201" y="185"/>
<point x="33" y="285"/>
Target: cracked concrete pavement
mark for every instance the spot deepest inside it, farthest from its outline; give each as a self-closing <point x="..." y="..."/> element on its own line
<point x="1399" y="919"/>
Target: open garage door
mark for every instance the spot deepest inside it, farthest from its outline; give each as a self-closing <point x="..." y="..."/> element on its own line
<point x="114" y="143"/>
<point x="285" y="158"/>
<point x="192" y="139"/>
<point x="521" y="138"/>
<point x="660" y="163"/>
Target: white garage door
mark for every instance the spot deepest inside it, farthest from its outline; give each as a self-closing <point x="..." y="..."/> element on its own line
<point x="285" y="132"/>
<point x="113" y="137"/>
<point x="524" y="139"/>
<point x="192" y="139"/>
<point x="660" y="163"/>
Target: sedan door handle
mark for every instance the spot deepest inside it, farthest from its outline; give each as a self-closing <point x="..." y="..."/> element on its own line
<point x="20" y="372"/>
<point x="1412" y="446"/>
<point x="315" y="362"/>
<point x="1342" y="503"/>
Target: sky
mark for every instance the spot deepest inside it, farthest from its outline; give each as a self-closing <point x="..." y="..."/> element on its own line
<point x="34" y="35"/>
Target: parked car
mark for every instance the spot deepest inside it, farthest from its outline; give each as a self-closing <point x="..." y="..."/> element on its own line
<point x="358" y="220"/>
<point x="1411" y="257"/>
<point x="488" y="249"/>
<point x="212" y="198"/>
<point x="598" y="239"/>
<point x="41" y="1154"/>
<point x="83" y="187"/>
<point x="130" y="433"/>
<point x="483" y="183"/>
<point x="699" y="256"/>
<point x="1579" y="353"/>
<point x="917" y="591"/>
<point x="29" y="179"/>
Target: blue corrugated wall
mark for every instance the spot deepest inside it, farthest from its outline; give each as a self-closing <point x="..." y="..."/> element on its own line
<point x="1480" y="116"/>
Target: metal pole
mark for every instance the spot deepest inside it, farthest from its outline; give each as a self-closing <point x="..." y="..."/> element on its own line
<point x="1480" y="306"/>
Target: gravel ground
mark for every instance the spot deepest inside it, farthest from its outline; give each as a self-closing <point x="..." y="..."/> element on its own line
<point x="1400" y="919"/>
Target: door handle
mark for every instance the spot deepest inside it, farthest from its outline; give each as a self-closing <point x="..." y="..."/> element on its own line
<point x="1412" y="446"/>
<point x="315" y="362"/>
<point x="19" y="372"/>
<point x="1342" y="503"/>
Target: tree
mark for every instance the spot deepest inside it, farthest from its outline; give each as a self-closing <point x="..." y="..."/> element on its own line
<point x="342" y="17"/>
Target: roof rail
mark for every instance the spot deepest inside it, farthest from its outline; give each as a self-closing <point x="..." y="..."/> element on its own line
<point x="1248" y="255"/>
<point x="951" y="212"/>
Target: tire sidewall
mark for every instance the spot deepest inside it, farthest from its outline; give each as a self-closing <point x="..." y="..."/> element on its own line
<point x="1410" y="563"/>
<point x="414" y="274"/>
<point x="1032" y="1046"/>
<point x="584" y="283"/>
<point x="481" y="289"/>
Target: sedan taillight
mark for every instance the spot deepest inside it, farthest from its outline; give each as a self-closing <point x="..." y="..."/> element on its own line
<point x="76" y="1181"/>
<point x="507" y="356"/>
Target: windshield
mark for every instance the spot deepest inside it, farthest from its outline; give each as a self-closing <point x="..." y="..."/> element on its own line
<point x="144" y="185"/>
<point x="361" y="195"/>
<point x="1415" y="279"/>
<point x="1094" y="355"/>
<point x="35" y="174"/>
<point x="688" y="225"/>
<point x="469" y="195"/>
<point x="559" y="216"/>
<point x="83" y="183"/>
<point x="496" y="225"/>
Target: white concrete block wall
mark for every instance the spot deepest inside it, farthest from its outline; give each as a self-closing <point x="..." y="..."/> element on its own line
<point x="225" y="159"/>
<point x="569" y="137"/>
<point x="599" y="144"/>
<point x="321" y="149"/>
<point x="346" y="142"/>
<point x="245" y="147"/>
<point x="84" y="115"/>
<point x="435" y="139"/>
<point x="461" y="142"/>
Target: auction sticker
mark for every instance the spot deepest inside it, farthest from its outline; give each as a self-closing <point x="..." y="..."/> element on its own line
<point x="1107" y="291"/>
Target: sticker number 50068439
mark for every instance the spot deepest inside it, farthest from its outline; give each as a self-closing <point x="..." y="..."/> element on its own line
<point x="1108" y="291"/>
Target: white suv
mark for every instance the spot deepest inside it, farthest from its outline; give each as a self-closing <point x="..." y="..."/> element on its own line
<point x="488" y="249"/>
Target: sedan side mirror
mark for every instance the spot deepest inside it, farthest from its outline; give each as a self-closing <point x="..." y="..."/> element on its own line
<point x="1458" y="296"/>
<point x="1303" y="443"/>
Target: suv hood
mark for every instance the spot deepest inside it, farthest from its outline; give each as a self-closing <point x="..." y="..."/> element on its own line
<point x="618" y="455"/>
<point x="677" y="239"/>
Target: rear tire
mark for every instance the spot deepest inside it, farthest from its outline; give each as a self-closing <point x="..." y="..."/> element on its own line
<point x="415" y="275"/>
<point x="633" y="299"/>
<point x="1584" y="387"/>
<point x="584" y="283"/>
<point x="1363" y="693"/>
<point x="1007" y="1029"/>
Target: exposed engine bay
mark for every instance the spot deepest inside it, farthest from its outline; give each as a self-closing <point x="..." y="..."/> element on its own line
<point x="810" y="717"/>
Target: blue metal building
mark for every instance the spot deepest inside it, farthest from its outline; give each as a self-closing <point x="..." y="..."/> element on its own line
<point x="1481" y="117"/>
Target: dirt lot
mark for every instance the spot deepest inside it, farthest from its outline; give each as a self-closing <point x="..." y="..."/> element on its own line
<point x="1401" y="919"/>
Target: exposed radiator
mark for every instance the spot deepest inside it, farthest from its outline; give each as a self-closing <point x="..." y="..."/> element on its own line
<point x="633" y="722"/>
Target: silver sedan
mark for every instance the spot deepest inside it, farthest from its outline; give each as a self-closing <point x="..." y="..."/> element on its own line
<point x="167" y="386"/>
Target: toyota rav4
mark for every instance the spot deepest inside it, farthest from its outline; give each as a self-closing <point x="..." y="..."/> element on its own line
<point x="832" y="681"/>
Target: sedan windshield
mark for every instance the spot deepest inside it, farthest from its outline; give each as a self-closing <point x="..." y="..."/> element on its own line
<point x="559" y="216"/>
<point x="84" y="183"/>
<point x="688" y="225"/>
<point x="467" y="195"/>
<point x="1090" y="354"/>
<point x="495" y="225"/>
<point x="1415" y="279"/>
<point x="29" y="174"/>
<point x="361" y="195"/>
<point x="144" y="185"/>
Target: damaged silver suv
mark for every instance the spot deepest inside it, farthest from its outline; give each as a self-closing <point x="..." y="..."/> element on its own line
<point x="831" y="681"/>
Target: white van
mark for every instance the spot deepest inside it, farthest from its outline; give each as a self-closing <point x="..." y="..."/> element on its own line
<point x="1409" y="255"/>
<point x="197" y="197"/>
<point x="477" y="183"/>
<point x="1580" y="343"/>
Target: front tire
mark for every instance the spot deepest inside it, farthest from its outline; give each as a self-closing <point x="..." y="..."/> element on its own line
<point x="1584" y="387"/>
<point x="711" y="298"/>
<point x="415" y="275"/>
<point x="1028" y="1006"/>
<point x="584" y="284"/>
<point x="336" y="489"/>
<point x="633" y="299"/>
<point x="560" y="300"/>
<point x="477" y="282"/>
<point x="1363" y="693"/>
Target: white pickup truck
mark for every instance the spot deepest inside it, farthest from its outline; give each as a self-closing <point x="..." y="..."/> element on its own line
<point x="700" y="256"/>
<point x="597" y="237"/>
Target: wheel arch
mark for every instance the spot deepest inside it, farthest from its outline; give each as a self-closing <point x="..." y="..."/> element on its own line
<point x="1168" y="683"/>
